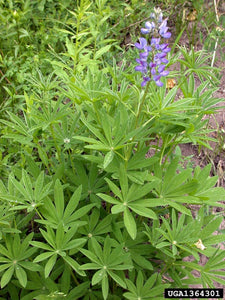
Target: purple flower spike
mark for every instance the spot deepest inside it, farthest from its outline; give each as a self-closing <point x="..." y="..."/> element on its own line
<point x="152" y="59"/>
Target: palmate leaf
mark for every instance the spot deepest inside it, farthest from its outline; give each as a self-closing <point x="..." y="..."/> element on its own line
<point x="58" y="213"/>
<point x="59" y="242"/>
<point x="108" y="261"/>
<point x="130" y="198"/>
<point x="152" y="288"/>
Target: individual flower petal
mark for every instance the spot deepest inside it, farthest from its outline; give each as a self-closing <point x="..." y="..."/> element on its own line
<point x="149" y="48"/>
<point x="166" y="50"/>
<point x="164" y="60"/>
<point x="142" y="62"/>
<point x="142" y="44"/>
<point x="165" y="73"/>
<point x="159" y="83"/>
<point x="156" y="77"/>
<point x="163" y="24"/>
<point x="141" y="69"/>
<point x="155" y="41"/>
<point x="160" y="18"/>
<point x="152" y="15"/>
<point x="149" y="25"/>
<point x="153" y="71"/>
<point x="144" y="55"/>
<point x="152" y="65"/>
<point x="145" y="80"/>
<point x="145" y="31"/>
<point x="161" y="68"/>
<point x="162" y="54"/>
<point x="163" y="46"/>
<point x="166" y="35"/>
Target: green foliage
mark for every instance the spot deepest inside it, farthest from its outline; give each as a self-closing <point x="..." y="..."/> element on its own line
<point x="95" y="200"/>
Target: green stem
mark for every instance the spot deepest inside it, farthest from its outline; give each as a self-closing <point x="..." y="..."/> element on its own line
<point x="74" y="278"/>
<point x="128" y="154"/>
<point x="56" y="146"/>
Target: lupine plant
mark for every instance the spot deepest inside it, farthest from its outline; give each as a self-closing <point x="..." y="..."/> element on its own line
<point x="95" y="201"/>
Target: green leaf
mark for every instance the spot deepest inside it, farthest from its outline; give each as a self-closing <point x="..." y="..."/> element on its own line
<point x="74" y="244"/>
<point x="90" y="266"/>
<point x="39" y="185"/>
<point x="27" y="183"/>
<point x="123" y="180"/>
<point x="5" y="266"/>
<point x="80" y="212"/>
<point x="97" y="277"/>
<point x="102" y="51"/>
<point x="108" y="198"/>
<point x="59" y="198"/>
<point x="30" y="266"/>
<point x="143" y="211"/>
<point x="50" y="264"/>
<point x="6" y="277"/>
<point x="141" y="261"/>
<point x="118" y="208"/>
<point x="180" y="208"/>
<point x="43" y="156"/>
<point x="43" y="256"/>
<point x="59" y="235"/>
<point x="49" y="236"/>
<point x="129" y="223"/>
<point x="74" y="265"/>
<point x="108" y="158"/>
<point x="105" y="287"/>
<point x="41" y="245"/>
<point x="21" y="275"/>
<point x="90" y="255"/>
<point x="117" y="279"/>
<point x="211" y="227"/>
<point x="72" y="205"/>
<point x="114" y="188"/>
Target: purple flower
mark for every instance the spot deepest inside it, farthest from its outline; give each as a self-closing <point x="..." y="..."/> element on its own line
<point x="161" y="68"/>
<point x="160" y="16"/>
<point x="155" y="41"/>
<point x="150" y="25"/>
<point x="152" y="15"/>
<point x="152" y="59"/>
<point x="145" y="80"/>
<point x="159" y="83"/>
<point x="153" y="71"/>
<point x="142" y="45"/>
<point x="163" y="30"/>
